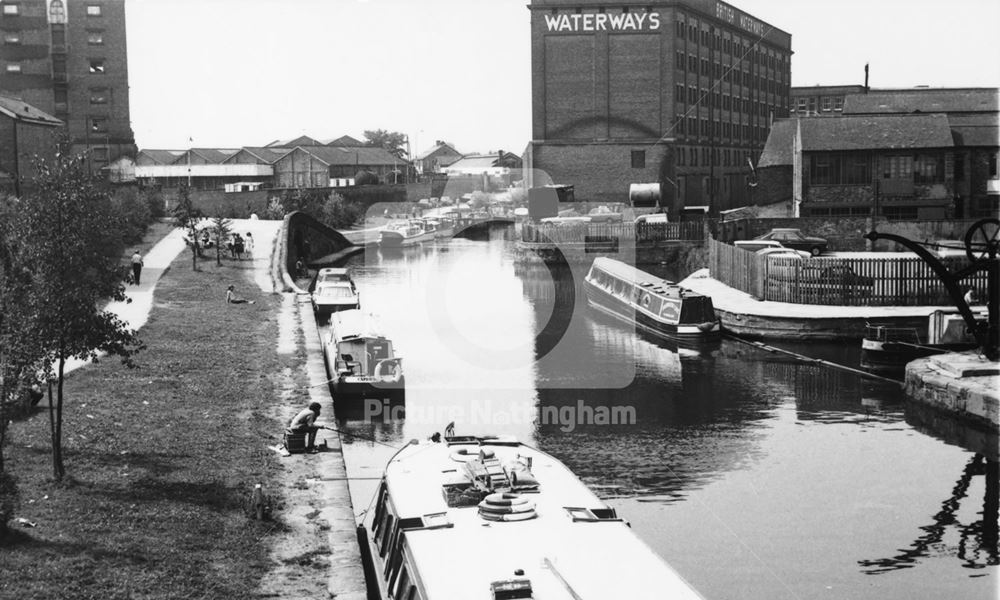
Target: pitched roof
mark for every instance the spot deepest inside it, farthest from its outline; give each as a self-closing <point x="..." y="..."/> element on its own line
<point x="929" y="100"/>
<point x="160" y="157"/>
<point x="302" y="140"/>
<point x="362" y="156"/>
<point x="856" y="132"/>
<point x="214" y="155"/>
<point x="265" y="154"/>
<point x="475" y="161"/>
<point x="975" y="129"/>
<point x="778" y="148"/>
<point x="344" y="141"/>
<point x="436" y="148"/>
<point x="22" y="111"/>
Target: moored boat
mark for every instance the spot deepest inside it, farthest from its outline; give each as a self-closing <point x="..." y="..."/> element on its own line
<point x="491" y="518"/>
<point x="888" y="348"/>
<point x="360" y="360"/>
<point x="410" y="233"/>
<point x="654" y="305"/>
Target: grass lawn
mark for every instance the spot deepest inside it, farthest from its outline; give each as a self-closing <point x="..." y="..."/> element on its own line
<point x="160" y="459"/>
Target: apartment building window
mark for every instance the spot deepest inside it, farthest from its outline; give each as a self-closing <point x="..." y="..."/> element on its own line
<point x="802" y="105"/>
<point x="98" y="97"/>
<point x="638" y="159"/>
<point x="11" y="9"/>
<point x="13" y="68"/>
<point x="12" y="39"/>
<point x="95" y="38"/>
<point x="838" y="105"/>
<point x="97" y="65"/>
<point x="94" y="10"/>
<point x="827" y="104"/>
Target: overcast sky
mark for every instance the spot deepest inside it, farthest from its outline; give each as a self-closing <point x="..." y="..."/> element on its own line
<point x="231" y="73"/>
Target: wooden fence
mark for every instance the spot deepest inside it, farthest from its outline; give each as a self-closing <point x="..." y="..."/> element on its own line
<point x="568" y="233"/>
<point x="868" y="281"/>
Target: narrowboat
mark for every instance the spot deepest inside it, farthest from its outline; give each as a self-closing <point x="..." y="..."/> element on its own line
<point x="360" y="360"/>
<point x="489" y="518"/>
<point x="410" y="233"/>
<point x="888" y="348"/>
<point x="333" y="290"/>
<point x="655" y="306"/>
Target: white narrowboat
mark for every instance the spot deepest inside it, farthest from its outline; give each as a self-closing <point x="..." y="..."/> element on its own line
<point x="410" y="233"/>
<point x="653" y="305"/>
<point x="360" y="360"/>
<point x="492" y="519"/>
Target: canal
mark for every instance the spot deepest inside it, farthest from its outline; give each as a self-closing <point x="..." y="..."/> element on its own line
<point x="753" y="475"/>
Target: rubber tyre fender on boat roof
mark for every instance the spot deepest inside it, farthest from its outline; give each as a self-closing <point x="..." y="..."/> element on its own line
<point x="509" y="517"/>
<point x="391" y="365"/>
<point x="485" y="508"/>
<point x="505" y="499"/>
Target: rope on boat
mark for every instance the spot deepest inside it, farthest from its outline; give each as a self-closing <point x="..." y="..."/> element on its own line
<point x="810" y="359"/>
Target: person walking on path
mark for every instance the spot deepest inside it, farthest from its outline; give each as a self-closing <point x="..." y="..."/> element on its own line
<point x="232" y="298"/>
<point x="305" y="423"/>
<point x="136" y="266"/>
<point x="249" y="244"/>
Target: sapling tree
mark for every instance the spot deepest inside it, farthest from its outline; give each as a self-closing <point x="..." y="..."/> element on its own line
<point x="187" y="216"/>
<point x="68" y="237"/>
<point x="221" y="229"/>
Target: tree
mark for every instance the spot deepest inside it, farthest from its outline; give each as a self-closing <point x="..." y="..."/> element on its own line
<point x="393" y="141"/>
<point x="187" y="216"/>
<point x="221" y="229"/>
<point x="338" y="213"/>
<point x="67" y="235"/>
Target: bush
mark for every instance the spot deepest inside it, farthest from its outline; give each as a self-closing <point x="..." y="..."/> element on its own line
<point x="275" y="210"/>
<point x="338" y="213"/>
<point x="134" y="212"/>
<point x="154" y="200"/>
<point x="9" y="502"/>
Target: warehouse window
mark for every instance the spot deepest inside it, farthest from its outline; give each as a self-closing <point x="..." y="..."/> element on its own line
<point x="12" y="39"/>
<point x="11" y="9"/>
<point x="93" y="10"/>
<point x="638" y="159"/>
<point x="928" y="169"/>
<point x="95" y="38"/>
<point x="97" y="65"/>
<point x="98" y="97"/>
<point x="98" y="125"/>
<point x="13" y="68"/>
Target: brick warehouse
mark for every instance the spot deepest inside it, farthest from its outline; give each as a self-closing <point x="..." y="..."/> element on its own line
<point x="677" y="92"/>
<point x="68" y="58"/>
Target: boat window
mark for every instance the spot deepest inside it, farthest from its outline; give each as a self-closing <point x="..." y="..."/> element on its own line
<point x="403" y="589"/>
<point x="384" y="535"/>
<point x="592" y="514"/>
<point x="379" y="511"/>
<point x="645" y="301"/>
<point x="668" y="310"/>
<point x="392" y="566"/>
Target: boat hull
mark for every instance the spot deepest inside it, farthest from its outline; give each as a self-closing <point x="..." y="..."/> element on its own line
<point x="682" y="334"/>
<point x="352" y="387"/>
<point x="393" y="239"/>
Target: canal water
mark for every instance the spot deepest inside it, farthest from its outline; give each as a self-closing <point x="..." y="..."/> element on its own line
<point x="755" y="476"/>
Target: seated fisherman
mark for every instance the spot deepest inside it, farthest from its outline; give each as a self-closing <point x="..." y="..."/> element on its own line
<point x="305" y="422"/>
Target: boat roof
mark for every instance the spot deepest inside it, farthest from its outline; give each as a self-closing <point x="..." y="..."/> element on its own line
<point x="648" y="281"/>
<point x="353" y="324"/>
<point x="563" y="558"/>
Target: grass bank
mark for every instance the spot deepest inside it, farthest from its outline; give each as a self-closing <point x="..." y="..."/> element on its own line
<point x="161" y="459"/>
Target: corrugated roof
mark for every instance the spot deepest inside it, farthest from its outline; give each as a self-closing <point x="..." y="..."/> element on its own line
<point x="924" y="101"/>
<point x="22" y="111"/>
<point x="214" y="155"/>
<point x="302" y="140"/>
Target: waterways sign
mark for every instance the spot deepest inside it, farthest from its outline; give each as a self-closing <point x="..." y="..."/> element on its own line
<point x="604" y="22"/>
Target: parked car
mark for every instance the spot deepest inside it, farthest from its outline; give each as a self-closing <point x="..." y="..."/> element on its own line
<point x="793" y="238"/>
<point x="603" y="214"/>
<point x="782" y="252"/>
<point x="652" y="218"/>
<point x="758" y="245"/>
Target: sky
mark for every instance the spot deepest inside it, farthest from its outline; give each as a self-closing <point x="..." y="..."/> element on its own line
<point x="232" y="73"/>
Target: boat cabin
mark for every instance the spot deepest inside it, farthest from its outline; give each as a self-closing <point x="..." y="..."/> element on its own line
<point x="660" y="298"/>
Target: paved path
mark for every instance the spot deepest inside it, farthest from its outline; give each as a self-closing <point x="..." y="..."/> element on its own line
<point x="157" y="261"/>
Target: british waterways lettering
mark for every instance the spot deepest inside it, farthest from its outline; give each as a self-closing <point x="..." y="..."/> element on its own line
<point x="603" y="22"/>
